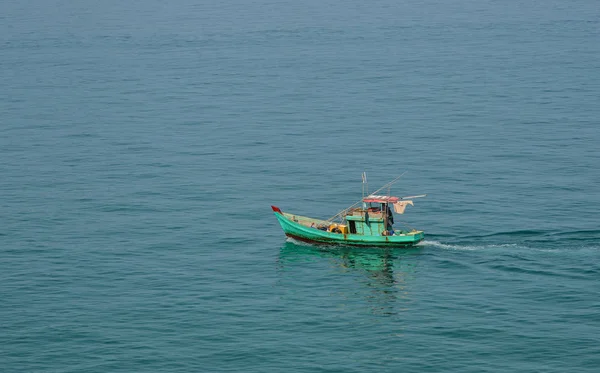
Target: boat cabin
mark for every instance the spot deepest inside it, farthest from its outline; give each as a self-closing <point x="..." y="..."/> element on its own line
<point x="375" y="217"/>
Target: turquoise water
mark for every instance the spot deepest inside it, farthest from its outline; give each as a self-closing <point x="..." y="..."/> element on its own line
<point x="142" y="144"/>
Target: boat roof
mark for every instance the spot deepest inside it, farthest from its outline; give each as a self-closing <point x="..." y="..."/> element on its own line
<point x="381" y="199"/>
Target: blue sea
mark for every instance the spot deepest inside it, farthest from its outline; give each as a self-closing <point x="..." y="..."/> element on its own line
<point x="142" y="144"/>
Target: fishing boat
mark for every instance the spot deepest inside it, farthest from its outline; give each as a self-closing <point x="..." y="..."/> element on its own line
<point x="369" y="224"/>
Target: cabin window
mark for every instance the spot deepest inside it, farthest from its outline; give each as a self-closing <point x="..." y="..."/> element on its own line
<point x="352" y="224"/>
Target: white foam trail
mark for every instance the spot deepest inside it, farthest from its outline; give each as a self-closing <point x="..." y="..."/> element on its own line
<point x="446" y="246"/>
<point x="513" y="247"/>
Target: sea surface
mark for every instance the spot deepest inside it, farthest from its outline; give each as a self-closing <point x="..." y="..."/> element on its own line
<point x="143" y="142"/>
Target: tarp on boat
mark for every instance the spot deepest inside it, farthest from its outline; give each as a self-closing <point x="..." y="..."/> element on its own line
<point x="380" y="199"/>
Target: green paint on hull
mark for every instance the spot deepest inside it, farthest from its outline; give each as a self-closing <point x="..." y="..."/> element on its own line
<point x="302" y="232"/>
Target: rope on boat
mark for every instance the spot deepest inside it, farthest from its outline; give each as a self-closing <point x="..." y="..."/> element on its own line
<point x="388" y="185"/>
<point x="407" y="226"/>
<point x="342" y="212"/>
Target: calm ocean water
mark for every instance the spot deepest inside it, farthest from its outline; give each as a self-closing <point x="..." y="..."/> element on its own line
<point x="142" y="144"/>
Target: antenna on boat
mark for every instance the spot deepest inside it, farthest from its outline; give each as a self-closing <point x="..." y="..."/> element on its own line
<point x="365" y="184"/>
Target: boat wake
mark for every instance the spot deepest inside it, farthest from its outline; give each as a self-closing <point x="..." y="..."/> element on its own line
<point x="446" y="246"/>
<point x="508" y="247"/>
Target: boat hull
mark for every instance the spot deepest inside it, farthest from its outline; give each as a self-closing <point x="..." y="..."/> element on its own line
<point x="300" y="232"/>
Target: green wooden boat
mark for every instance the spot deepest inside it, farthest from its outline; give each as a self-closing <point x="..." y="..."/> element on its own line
<point x="369" y="225"/>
